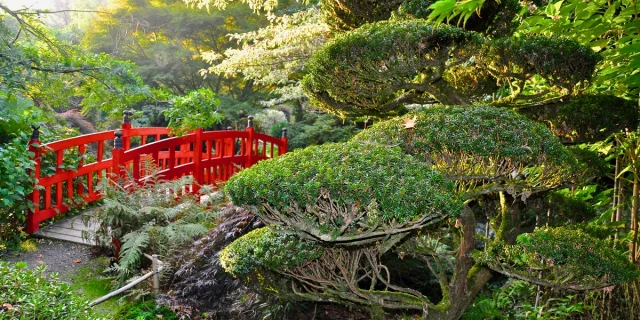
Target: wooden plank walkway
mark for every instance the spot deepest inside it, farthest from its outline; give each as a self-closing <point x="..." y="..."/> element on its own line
<point x="69" y="229"/>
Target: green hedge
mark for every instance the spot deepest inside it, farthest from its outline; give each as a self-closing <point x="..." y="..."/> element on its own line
<point x="481" y="145"/>
<point x="389" y="185"/>
<point x="33" y="294"/>
<point x="263" y="248"/>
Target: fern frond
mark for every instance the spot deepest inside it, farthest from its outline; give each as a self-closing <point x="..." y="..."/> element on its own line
<point x="131" y="251"/>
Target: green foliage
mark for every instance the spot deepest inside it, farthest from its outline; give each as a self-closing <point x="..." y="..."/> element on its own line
<point x="33" y="294"/>
<point x="483" y="149"/>
<point x="167" y="48"/>
<point x="268" y="118"/>
<point x="15" y="163"/>
<point x="558" y="208"/>
<point x="593" y="165"/>
<point x="564" y="256"/>
<point x="492" y="17"/>
<point x="364" y="185"/>
<point x="195" y="110"/>
<point x="315" y="129"/>
<point x="592" y="24"/>
<point x="587" y="118"/>
<point x="515" y="300"/>
<point x="145" y="311"/>
<point x="150" y="218"/>
<point x="59" y="75"/>
<point x="365" y="71"/>
<point x="17" y="115"/>
<point x="266" y="249"/>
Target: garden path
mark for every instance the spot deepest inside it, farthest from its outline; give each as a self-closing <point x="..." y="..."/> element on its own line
<point x="61" y="257"/>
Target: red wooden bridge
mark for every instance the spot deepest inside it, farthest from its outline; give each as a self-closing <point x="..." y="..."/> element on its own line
<point x="65" y="179"/>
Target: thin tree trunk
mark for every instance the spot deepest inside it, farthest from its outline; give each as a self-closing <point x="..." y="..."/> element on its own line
<point x="634" y="217"/>
<point x="615" y="215"/>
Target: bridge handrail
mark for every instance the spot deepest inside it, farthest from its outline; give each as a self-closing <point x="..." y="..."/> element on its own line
<point x="210" y="157"/>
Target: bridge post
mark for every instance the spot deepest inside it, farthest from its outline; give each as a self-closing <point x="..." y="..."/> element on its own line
<point x="126" y="125"/>
<point x="285" y="142"/>
<point x="249" y="147"/>
<point x="117" y="171"/>
<point x="229" y="145"/>
<point x="198" y="175"/>
<point x="34" y="146"/>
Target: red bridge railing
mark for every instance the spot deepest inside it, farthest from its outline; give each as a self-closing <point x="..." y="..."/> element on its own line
<point x="209" y="156"/>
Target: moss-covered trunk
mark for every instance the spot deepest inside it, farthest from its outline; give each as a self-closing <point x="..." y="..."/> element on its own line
<point x="468" y="277"/>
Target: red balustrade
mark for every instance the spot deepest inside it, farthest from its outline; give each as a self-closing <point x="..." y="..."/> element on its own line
<point x="209" y="156"/>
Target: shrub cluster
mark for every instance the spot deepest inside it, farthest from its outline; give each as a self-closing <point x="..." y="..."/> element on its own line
<point x="32" y="294"/>
<point x="153" y="217"/>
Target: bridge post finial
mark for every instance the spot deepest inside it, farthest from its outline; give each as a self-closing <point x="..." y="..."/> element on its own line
<point x="284" y="132"/>
<point x="127" y="116"/>
<point x="250" y="124"/>
<point x="35" y="135"/>
<point x="117" y="142"/>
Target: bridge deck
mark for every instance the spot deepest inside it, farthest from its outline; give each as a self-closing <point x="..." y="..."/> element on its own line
<point x="69" y="229"/>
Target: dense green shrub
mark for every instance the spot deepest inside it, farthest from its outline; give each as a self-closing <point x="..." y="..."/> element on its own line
<point x="15" y="163"/>
<point x="483" y="149"/>
<point x="347" y="189"/>
<point x="33" y="294"/>
<point x="265" y="249"/>
<point x="562" y="256"/>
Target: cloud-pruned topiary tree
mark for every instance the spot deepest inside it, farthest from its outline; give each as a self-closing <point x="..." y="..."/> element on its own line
<point x="346" y="194"/>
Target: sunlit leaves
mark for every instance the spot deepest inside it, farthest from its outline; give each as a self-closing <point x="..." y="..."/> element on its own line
<point x="609" y="27"/>
<point x="273" y="55"/>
